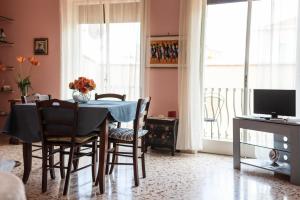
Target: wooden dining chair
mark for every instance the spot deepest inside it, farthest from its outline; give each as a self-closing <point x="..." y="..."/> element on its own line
<point x="35" y="97"/>
<point x="58" y="125"/>
<point x="111" y="96"/>
<point x="129" y="138"/>
<point x="111" y="124"/>
<point x="32" y="99"/>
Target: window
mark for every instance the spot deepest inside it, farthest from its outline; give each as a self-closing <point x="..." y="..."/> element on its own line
<point x="105" y="44"/>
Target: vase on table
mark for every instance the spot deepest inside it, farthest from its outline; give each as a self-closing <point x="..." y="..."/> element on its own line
<point x="23" y="85"/>
<point x="82" y="88"/>
<point x="24" y="90"/>
<point x="81" y="97"/>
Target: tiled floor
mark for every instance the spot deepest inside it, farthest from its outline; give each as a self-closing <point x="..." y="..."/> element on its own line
<point x="185" y="176"/>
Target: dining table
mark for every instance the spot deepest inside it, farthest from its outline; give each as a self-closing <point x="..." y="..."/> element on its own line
<point x="23" y="123"/>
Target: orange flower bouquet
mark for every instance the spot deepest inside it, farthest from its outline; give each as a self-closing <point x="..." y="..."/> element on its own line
<point x="23" y="74"/>
<point x="82" y="87"/>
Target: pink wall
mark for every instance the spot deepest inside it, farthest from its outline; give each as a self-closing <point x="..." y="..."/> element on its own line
<point x="33" y="19"/>
<point x="164" y="16"/>
<point x="163" y="82"/>
<point x="40" y="18"/>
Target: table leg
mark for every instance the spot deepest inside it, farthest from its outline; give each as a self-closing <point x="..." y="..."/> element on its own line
<point x="236" y="145"/>
<point x="102" y="155"/>
<point x="27" y="160"/>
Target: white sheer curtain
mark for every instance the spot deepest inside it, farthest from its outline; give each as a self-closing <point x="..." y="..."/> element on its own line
<point x="190" y="71"/>
<point x="273" y="44"/>
<point x="101" y="39"/>
<point x="273" y="47"/>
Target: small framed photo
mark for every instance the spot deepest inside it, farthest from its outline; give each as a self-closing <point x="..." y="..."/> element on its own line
<point x="163" y="51"/>
<point x="40" y="46"/>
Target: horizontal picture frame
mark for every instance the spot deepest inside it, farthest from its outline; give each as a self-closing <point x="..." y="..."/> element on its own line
<point x="163" y="51"/>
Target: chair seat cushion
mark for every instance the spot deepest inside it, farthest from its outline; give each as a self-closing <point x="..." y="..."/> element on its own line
<point x="78" y="139"/>
<point x="125" y="134"/>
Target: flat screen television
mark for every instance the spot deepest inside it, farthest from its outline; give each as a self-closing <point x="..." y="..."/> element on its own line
<point x="275" y="102"/>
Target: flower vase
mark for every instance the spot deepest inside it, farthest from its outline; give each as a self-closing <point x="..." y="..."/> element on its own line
<point x="24" y="90"/>
<point x="81" y="97"/>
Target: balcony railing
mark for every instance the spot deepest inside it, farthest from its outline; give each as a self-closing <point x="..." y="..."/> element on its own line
<point x="220" y="107"/>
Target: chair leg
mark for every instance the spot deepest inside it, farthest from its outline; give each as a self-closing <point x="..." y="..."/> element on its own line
<point x="44" y="167"/>
<point x="114" y="158"/>
<point x="94" y="149"/>
<point x="143" y="157"/>
<point x="62" y="162"/>
<point x="135" y="164"/>
<point x="71" y="155"/>
<point x="98" y="144"/>
<point x="51" y="162"/>
<point x="107" y="159"/>
<point x="76" y="162"/>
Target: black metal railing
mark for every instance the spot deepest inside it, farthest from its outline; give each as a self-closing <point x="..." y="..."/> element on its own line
<point x="221" y="105"/>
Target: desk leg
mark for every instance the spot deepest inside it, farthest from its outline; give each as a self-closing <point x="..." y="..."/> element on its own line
<point x="236" y="144"/>
<point x="103" y="155"/>
<point x="27" y="159"/>
<point x="295" y="156"/>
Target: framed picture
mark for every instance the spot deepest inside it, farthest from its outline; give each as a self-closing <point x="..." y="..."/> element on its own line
<point x="163" y="51"/>
<point x="40" y="46"/>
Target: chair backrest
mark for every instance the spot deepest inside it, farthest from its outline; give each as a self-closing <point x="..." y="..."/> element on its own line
<point x="212" y="107"/>
<point x="29" y="99"/>
<point x="142" y="110"/>
<point x="35" y="97"/>
<point x="110" y="96"/>
<point x="57" y="118"/>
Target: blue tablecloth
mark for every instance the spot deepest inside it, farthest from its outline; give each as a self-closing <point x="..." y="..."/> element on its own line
<point x="23" y="123"/>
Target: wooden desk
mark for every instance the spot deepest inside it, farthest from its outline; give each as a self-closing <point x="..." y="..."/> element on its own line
<point x="284" y="128"/>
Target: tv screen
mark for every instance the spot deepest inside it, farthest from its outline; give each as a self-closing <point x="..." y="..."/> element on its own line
<point x="275" y="102"/>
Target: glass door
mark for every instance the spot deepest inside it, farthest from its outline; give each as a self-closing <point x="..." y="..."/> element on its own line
<point x="249" y="45"/>
<point x="224" y="71"/>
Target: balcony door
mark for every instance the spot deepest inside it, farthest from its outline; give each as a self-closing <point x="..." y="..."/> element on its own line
<point x="224" y="71"/>
<point x="248" y="45"/>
